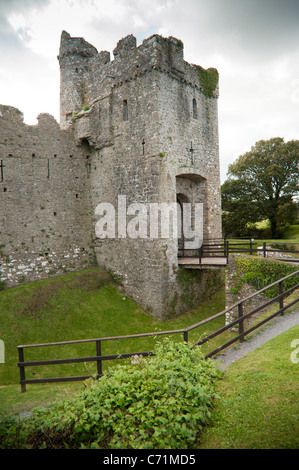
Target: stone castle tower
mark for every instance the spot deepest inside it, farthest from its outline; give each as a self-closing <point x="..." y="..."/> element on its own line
<point x="137" y="131"/>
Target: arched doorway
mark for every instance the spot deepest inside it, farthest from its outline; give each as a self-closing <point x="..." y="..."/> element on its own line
<point x="181" y="199"/>
<point x="191" y="189"/>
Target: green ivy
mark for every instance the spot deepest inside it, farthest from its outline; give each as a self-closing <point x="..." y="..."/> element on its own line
<point x="208" y="79"/>
<point x="260" y="273"/>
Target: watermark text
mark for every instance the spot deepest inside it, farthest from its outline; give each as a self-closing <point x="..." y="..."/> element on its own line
<point x="151" y="221"/>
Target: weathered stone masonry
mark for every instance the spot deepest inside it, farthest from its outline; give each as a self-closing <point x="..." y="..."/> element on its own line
<point x="143" y="125"/>
<point x="45" y="222"/>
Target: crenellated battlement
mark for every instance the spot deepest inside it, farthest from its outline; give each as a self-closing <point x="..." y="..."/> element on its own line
<point x="87" y="74"/>
<point x="11" y="113"/>
<point x="75" y="46"/>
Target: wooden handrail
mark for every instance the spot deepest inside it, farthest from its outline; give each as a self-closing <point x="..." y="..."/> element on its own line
<point x="98" y="358"/>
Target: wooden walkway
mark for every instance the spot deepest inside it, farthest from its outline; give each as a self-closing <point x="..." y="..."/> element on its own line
<point x="215" y="254"/>
<point x="208" y="262"/>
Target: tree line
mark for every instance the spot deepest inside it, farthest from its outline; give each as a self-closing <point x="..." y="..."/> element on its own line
<point x="262" y="184"/>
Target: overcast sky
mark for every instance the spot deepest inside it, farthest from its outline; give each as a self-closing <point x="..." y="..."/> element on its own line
<point x="254" y="44"/>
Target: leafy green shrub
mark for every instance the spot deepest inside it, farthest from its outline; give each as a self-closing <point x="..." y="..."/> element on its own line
<point x="260" y="273"/>
<point x="162" y="402"/>
<point x="10" y="431"/>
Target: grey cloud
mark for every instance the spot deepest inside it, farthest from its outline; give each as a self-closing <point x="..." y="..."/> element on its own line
<point x="9" y="40"/>
<point x="9" y="6"/>
<point x="240" y="28"/>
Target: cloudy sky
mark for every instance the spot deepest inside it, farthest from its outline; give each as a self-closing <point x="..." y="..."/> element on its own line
<point x="254" y="44"/>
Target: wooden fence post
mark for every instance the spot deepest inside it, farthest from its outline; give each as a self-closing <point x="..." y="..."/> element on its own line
<point x="186" y="336"/>
<point x="99" y="362"/>
<point x="241" y="321"/>
<point x="264" y="249"/>
<point x="22" y="369"/>
<point x="280" y="285"/>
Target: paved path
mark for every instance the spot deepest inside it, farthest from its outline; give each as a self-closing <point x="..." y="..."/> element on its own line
<point x="275" y="328"/>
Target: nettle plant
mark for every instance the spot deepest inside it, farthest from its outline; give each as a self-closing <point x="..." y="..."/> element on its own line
<point x="163" y="401"/>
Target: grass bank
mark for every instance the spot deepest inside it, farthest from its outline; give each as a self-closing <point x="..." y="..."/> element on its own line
<point x="82" y="305"/>
<point x="257" y="405"/>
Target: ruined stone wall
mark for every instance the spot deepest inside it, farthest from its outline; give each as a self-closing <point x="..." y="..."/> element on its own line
<point x="45" y="219"/>
<point x="74" y="55"/>
<point x="236" y="290"/>
<point x="142" y="126"/>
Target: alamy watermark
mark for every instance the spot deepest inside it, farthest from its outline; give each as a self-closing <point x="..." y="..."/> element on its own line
<point x="295" y="353"/>
<point x="151" y="221"/>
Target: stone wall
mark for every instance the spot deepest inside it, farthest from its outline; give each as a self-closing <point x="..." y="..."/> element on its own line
<point x="45" y="221"/>
<point x="236" y="290"/>
<point x="155" y="139"/>
<point x="141" y="126"/>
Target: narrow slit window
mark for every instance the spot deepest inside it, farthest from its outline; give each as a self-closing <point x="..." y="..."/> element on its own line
<point x="194" y="108"/>
<point x="125" y="110"/>
<point x="88" y="168"/>
<point x="1" y="171"/>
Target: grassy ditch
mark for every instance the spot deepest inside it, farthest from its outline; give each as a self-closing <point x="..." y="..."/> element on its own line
<point x="76" y="306"/>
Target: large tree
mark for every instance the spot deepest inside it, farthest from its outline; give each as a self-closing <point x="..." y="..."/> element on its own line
<point x="263" y="184"/>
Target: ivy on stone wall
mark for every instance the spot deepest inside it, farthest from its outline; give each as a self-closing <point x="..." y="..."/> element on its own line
<point x="260" y="273"/>
<point x="208" y="79"/>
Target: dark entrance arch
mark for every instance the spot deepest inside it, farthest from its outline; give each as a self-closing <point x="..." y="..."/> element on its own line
<point x="181" y="199"/>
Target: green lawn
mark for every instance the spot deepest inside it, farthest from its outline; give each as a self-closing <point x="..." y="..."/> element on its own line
<point x="292" y="233"/>
<point x="76" y="306"/>
<point x="257" y="406"/>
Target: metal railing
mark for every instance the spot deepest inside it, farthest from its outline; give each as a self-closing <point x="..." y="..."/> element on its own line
<point x="98" y="358"/>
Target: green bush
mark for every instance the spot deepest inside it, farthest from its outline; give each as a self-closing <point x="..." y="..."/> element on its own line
<point x="260" y="273"/>
<point x="162" y="402"/>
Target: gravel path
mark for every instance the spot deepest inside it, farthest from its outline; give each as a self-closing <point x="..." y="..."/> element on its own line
<point x="275" y="328"/>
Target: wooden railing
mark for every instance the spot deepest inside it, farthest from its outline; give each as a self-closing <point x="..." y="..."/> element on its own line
<point x="223" y="248"/>
<point x="98" y="357"/>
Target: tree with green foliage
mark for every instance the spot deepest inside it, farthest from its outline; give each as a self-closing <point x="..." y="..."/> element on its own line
<point x="262" y="184"/>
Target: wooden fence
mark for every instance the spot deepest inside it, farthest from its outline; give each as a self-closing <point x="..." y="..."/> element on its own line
<point x="98" y="358"/>
<point x="223" y="248"/>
